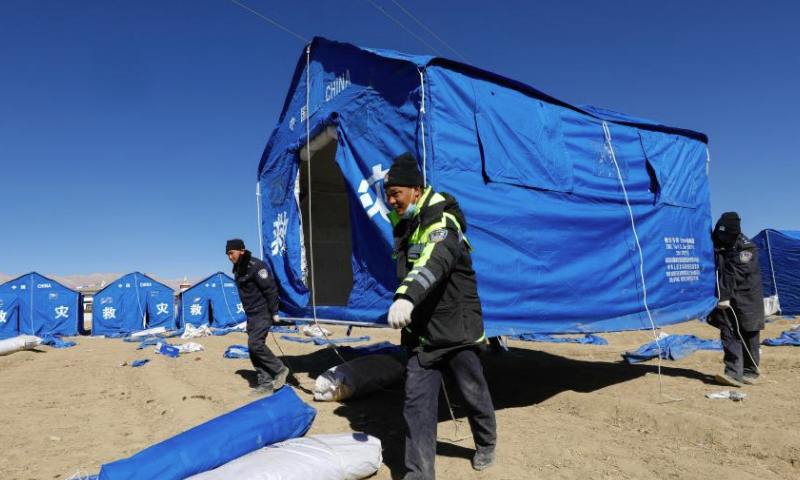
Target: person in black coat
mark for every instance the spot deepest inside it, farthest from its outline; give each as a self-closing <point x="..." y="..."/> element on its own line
<point x="259" y="294"/>
<point x="439" y="311"/>
<point x="740" y="312"/>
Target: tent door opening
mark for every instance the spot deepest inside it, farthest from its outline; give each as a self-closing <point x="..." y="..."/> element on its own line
<point x="327" y="223"/>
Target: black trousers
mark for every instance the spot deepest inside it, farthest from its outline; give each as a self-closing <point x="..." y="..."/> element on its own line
<point x="737" y="360"/>
<point x="421" y="408"/>
<point x="265" y="362"/>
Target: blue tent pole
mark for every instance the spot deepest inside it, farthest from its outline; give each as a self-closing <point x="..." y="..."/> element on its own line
<point x="138" y="299"/>
<point x="224" y="297"/>
<point x="33" y="332"/>
<point x="258" y="215"/>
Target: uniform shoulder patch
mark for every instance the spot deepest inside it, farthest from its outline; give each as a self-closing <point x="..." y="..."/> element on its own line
<point x="745" y="256"/>
<point x="437" y="236"/>
<point x="263" y="273"/>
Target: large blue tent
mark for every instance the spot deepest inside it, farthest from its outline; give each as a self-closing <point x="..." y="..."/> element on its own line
<point x="132" y="303"/>
<point x="213" y="301"/>
<point x="540" y="181"/>
<point x="36" y="305"/>
<point x="779" y="259"/>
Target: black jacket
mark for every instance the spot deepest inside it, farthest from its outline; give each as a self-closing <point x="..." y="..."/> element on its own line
<point x="257" y="289"/>
<point x="739" y="281"/>
<point x="434" y="267"/>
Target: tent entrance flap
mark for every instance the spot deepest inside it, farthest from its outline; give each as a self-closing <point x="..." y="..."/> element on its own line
<point x="327" y="225"/>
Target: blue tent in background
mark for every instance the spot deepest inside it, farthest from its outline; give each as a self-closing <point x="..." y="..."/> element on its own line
<point x="132" y="303"/>
<point x="36" y="305"/>
<point x="779" y="259"/>
<point x="540" y="181"/>
<point x="213" y="301"/>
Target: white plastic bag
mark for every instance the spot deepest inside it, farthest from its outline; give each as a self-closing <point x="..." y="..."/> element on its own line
<point x="23" y="342"/>
<point x="341" y="456"/>
<point x="151" y="331"/>
<point x="190" y="331"/>
<point x="316" y="331"/>
<point x="358" y="377"/>
<point x="190" y="347"/>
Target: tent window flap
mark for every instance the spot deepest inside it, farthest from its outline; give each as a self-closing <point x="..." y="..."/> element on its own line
<point x="521" y="141"/>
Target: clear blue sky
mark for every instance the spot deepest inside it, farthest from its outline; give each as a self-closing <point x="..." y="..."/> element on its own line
<point x="130" y="131"/>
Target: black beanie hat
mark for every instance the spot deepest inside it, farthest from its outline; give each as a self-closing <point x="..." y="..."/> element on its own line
<point x="730" y="223"/>
<point x="403" y="173"/>
<point x="234" y="244"/>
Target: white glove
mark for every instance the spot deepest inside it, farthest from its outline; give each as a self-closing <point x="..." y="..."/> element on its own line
<point x="724" y="305"/>
<point x="400" y="313"/>
<point x="275" y="319"/>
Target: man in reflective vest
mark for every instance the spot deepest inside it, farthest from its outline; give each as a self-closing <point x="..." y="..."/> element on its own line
<point x="438" y="308"/>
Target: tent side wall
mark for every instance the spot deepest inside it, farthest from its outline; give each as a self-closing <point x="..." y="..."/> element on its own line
<point x="124" y="304"/>
<point x="370" y="101"/>
<point x="213" y="301"/>
<point x="779" y="259"/>
<point x="44" y="306"/>
<point x="548" y="218"/>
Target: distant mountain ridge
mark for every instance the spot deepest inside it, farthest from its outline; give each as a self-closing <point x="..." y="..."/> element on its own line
<point x="95" y="280"/>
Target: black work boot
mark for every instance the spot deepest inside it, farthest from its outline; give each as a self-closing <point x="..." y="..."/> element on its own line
<point x="484" y="458"/>
<point x="262" y="390"/>
<point x="725" y="379"/>
<point x="749" y="379"/>
<point x="280" y="378"/>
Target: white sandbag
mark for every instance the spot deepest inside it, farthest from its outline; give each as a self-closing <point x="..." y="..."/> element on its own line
<point x="150" y="331"/>
<point x="190" y="347"/>
<point x="341" y="456"/>
<point x="357" y="378"/>
<point x="23" y="342"/>
<point x="190" y="331"/>
<point x="316" y="331"/>
<point x="771" y="305"/>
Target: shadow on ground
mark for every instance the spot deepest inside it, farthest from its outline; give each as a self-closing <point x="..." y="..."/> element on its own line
<point x="517" y="378"/>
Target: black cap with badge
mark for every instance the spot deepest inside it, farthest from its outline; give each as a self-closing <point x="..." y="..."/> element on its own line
<point x="234" y="244"/>
<point x="403" y="173"/>
<point x="727" y="229"/>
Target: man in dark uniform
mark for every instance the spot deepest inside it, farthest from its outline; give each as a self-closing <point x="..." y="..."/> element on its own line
<point x="438" y="308"/>
<point x="740" y="312"/>
<point x="259" y="295"/>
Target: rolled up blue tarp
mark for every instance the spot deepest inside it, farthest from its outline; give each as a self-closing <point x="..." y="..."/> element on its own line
<point x="272" y="419"/>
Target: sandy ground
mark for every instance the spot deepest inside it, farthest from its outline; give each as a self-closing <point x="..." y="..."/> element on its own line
<point x="565" y="411"/>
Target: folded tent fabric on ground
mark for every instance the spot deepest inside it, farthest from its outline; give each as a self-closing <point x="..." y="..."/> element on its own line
<point x="540" y="181"/>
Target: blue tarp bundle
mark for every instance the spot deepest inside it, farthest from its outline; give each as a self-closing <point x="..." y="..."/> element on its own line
<point x="132" y="303"/>
<point x="57" y="342"/>
<point x="213" y="301"/>
<point x="237" y="351"/>
<point x="538" y="337"/>
<point x="149" y="342"/>
<point x="786" y="338"/>
<point x="36" y="305"/>
<point x="273" y="419"/>
<point x="218" y="332"/>
<point x="673" y="347"/>
<point x="779" y="259"/>
<point x="284" y="329"/>
<point x="325" y="341"/>
<point x="536" y="178"/>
